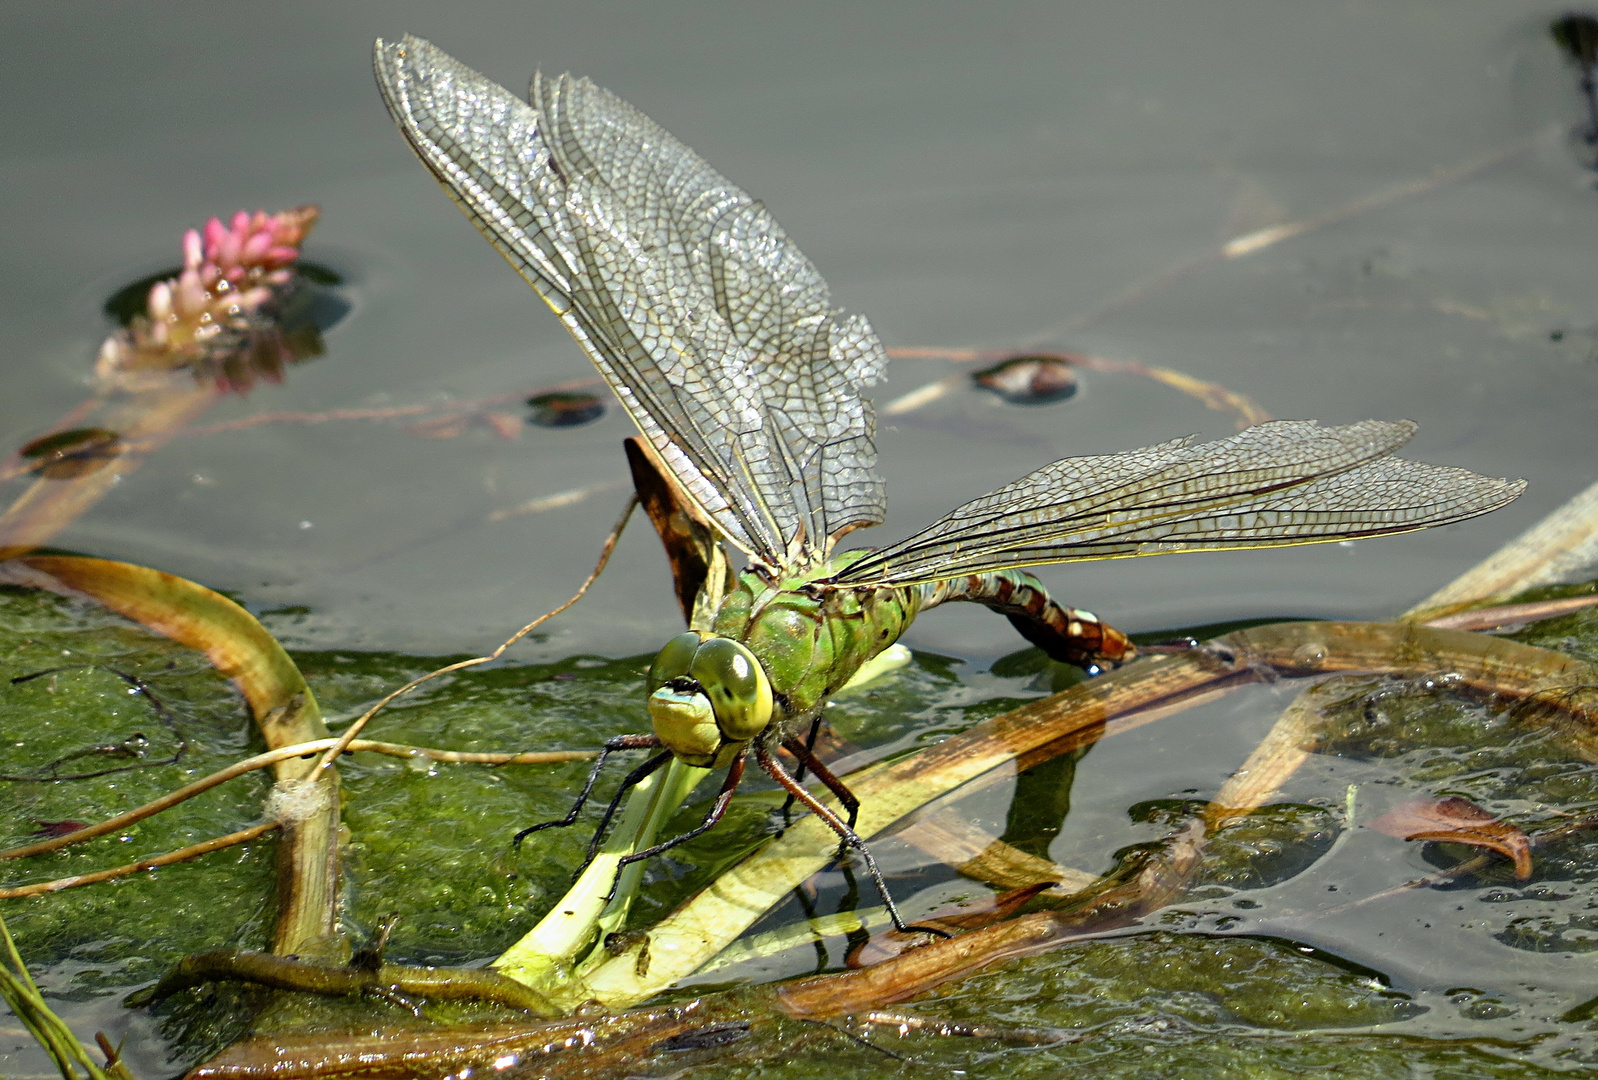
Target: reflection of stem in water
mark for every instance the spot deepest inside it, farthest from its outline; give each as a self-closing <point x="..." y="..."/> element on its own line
<point x="1041" y="802"/>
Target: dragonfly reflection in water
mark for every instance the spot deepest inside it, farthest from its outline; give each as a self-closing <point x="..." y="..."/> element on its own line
<point x="719" y="338"/>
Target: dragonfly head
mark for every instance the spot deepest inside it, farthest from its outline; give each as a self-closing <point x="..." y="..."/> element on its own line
<point x="708" y="696"/>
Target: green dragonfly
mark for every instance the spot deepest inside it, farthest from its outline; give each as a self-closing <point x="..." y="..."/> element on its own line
<point x="719" y="338"/>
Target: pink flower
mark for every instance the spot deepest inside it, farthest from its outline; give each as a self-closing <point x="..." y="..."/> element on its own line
<point x="217" y="318"/>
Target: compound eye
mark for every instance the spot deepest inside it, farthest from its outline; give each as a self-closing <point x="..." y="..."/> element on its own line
<point x="736" y="684"/>
<point x="673" y="659"/>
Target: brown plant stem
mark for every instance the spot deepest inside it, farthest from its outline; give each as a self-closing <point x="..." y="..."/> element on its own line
<point x="205" y="847"/>
<point x="264" y="969"/>
<point x="283" y="753"/>
<point x="280" y="702"/>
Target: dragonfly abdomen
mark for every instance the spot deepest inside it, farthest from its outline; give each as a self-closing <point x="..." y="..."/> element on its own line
<point x="1072" y="635"/>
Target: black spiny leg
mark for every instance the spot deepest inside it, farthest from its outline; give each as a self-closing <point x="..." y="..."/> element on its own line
<point x="620" y="742"/>
<point x="628" y="782"/>
<point x="735" y="773"/>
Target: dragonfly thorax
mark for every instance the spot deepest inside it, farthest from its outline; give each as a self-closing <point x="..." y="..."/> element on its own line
<point x="708" y="696"/>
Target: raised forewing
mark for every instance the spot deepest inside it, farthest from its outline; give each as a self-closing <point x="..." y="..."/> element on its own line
<point x="711" y="326"/>
<point x="1284" y="482"/>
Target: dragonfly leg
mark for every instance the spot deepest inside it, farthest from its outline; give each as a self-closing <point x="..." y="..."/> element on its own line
<point x="845" y="832"/>
<point x="806" y="756"/>
<point x="620" y="742"/>
<point x="804" y="759"/>
<point x="735" y="774"/>
<point x="628" y="782"/>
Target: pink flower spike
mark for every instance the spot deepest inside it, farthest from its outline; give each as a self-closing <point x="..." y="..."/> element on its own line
<point x="250" y="299"/>
<point x="279" y="256"/>
<point x="228" y="254"/>
<point x="193" y="250"/>
<point x="189" y="297"/>
<point x="160" y="302"/>
<point x="214" y="232"/>
<point x="236" y="274"/>
<point x="255" y="249"/>
<point x="241" y="222"/>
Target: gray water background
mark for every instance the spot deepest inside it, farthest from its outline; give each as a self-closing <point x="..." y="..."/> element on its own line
<point x="968" y="176"/>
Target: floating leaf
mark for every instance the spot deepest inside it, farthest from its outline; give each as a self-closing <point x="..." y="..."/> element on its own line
<point x="1029" y="380"/>
<point x="565" y="409"/>
<point x="62" y="455"/>
<point x="1457" y="821"/>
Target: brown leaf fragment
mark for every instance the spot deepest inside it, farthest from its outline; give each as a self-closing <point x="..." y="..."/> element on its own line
<point x="1457" y="821"/>
<point x="684" y="529"/>
<point x="63" y="455"/>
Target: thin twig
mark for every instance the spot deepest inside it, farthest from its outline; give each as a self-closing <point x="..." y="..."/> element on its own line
<point x="365" y="718"/>
<point x="283" y="753"/>
<point x="243" y="836"/>
<point x="393" y="412"/>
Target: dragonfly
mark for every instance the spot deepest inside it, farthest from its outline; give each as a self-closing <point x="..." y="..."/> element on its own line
<point x="721" y="341"/>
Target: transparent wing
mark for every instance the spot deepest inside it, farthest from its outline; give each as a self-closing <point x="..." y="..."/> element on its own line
<point x="1284" y="482"/>
<point x="713" y="329"/>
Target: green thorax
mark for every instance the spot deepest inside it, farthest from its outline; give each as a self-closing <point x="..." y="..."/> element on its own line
<point x="813" y="641"/>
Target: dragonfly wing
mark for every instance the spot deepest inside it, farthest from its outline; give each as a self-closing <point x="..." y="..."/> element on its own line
<point x="1279" y="483"/>
<point x="807" y="359"/>
<point x="713" y="329"/>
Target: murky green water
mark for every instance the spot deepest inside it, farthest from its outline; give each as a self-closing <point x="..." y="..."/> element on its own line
<point x="969" y="178"/>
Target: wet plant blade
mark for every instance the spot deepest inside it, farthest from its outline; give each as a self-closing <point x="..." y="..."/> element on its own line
<point x="1556" y="548"/>
<point x="1159" y="880"/>
<point x="1548" y="684"/>
<point x="22" y="995"/>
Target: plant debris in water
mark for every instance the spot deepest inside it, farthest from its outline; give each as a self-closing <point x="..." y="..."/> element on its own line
<point x="1028" y="380"/>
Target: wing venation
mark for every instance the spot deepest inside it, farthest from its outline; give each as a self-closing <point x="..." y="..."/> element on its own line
<point x="1275" y="484"/>
<point x="712" y="327"/>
